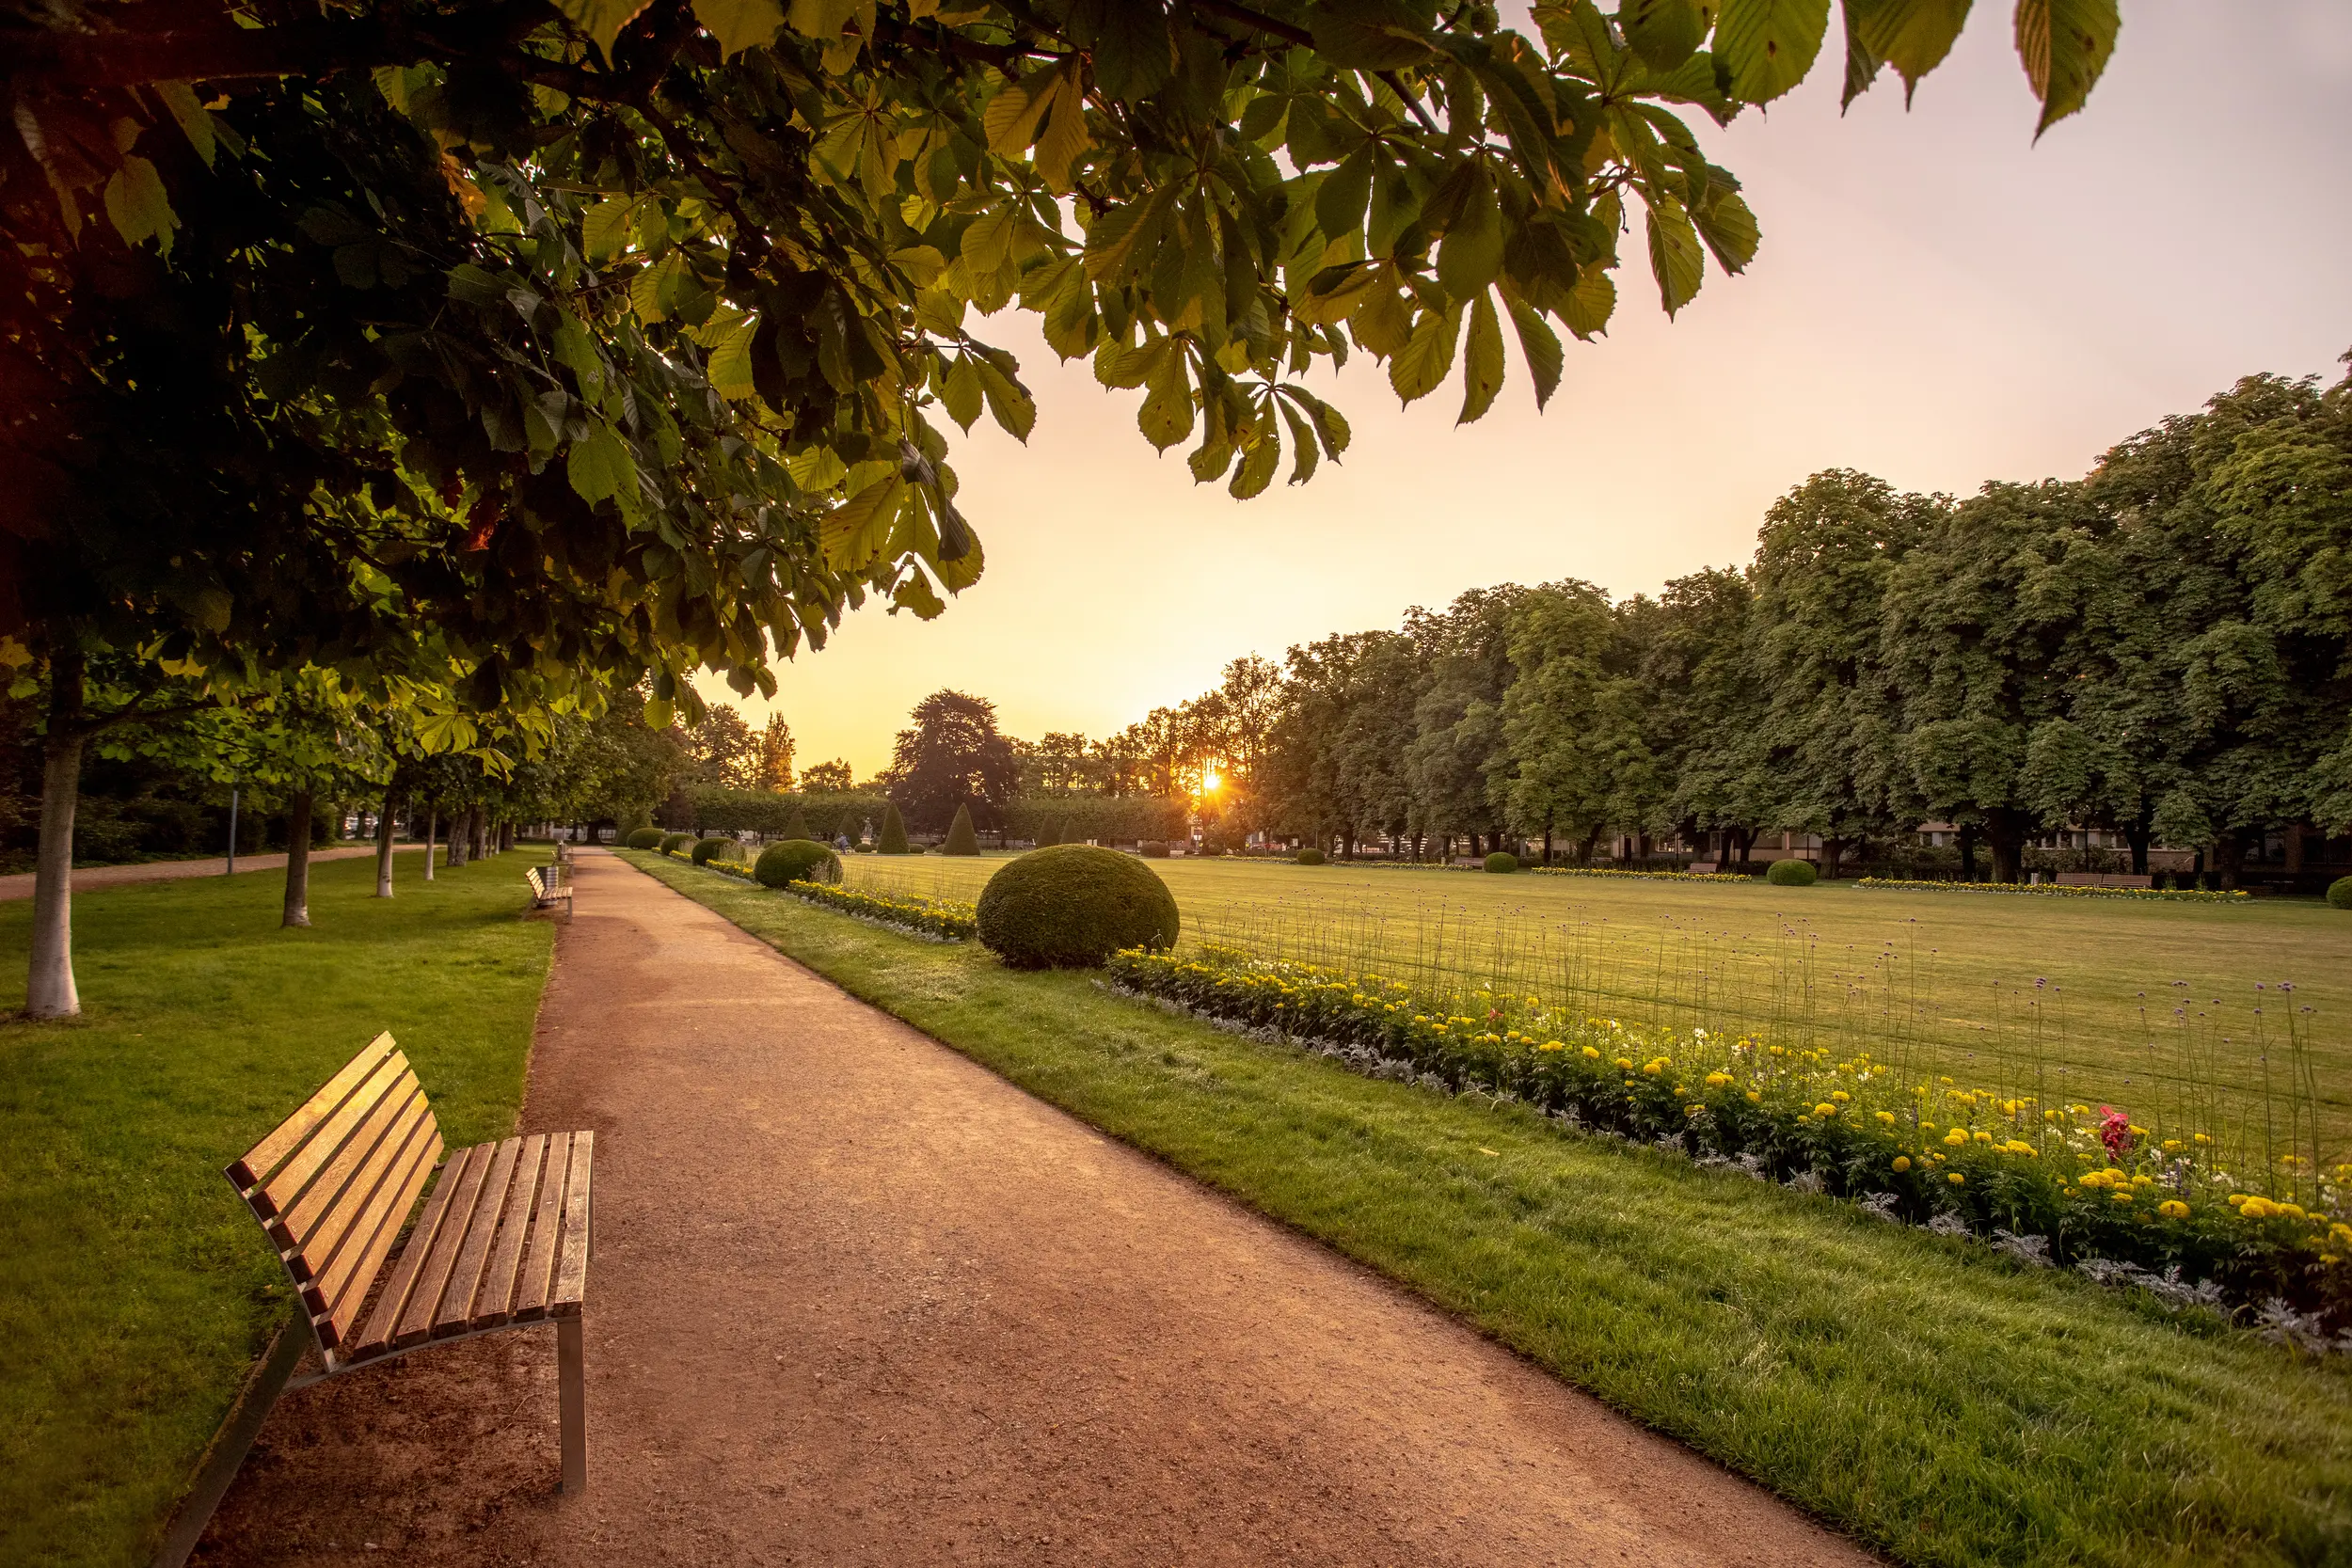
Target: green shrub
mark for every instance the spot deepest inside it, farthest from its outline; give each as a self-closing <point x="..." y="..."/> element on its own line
<point x="1210" y="846"/>
<point x="643" y="838"/>
<point x="796" y="860"/>
<point x="673" y="843"/>
<point x="2340" y="893"/>
<point x="1792" y="874"/>
<point x="796" y="823"/>
<point x="708" y="850"/>
<point x="1151" y="850"/>
<point x="863" y="847"/>
<point x="1072" y="906"/>
<point x="1049" y="832"/>
<point x="961" y="840"/>
<point x="1502" y="862"/>
<point x="1311" y="856"/>
<point x="894" y="832"/>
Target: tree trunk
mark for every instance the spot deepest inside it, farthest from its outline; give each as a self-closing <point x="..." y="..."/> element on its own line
<point x="1546" y="843"/>
<point x="2009" y="855"/>
<point x="2227" y="858"/>
<point x="506" y="837"/>
<point x="475" y="822"/>
<point x="49" y="988"/>
<point x="1833" y="851"/>
<point x="298" y="861"/>
<point x="384" y="851"/>
<point x="458" y="824"/>
<point x="1967" y="851"/>
<point x="432" y="827"/>
<point x="2138" y="838"/>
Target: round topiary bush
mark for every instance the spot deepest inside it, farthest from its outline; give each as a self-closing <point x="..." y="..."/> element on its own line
<point x="1151" y="850"/>
<point x="643" y="838"/>
<point x="2340" y="893"/>
<point x="1792" y="874"/>
<point x="1502" y="862"/>
<point x="708" y="850"/>
<point x="1311" y="856"/>
<point x="796" y="860"/>
<point x="672" y="842"/>
<point x="1072" y="906"/>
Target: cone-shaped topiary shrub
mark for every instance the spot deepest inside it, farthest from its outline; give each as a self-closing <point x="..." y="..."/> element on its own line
<point x="1048" y="834"/>
<point x="1153" y="849"/>
<point x="1072" y="906"/>
<point x="796" y="860"/>
<point x="961" y="840"/>
<point x="1310" y="856"/>
<point x="796" y="823"/>
<point x="894" y="832"/>
<point x="643" y="838"/>
<point x="708" y="850"/>
<point x="1502" y="862"/>
<point x="673" y="843"/>
<point x="2340" y="893"/>
<point x="1792" y="874"/>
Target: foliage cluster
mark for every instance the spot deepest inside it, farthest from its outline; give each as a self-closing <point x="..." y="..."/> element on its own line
<point x="961" y="839"/>
<point x="1791" y="873"/>
<point x="797" y="860"/>
<point x="670" y="844"/>
<point x="1072" y="905"/>
<point x="653" y="838"/>
<point x="2083" y="1182"/>
<point x="1102" y="818"/>
<point x="1310" y="856"/>
<point x="2340" y="893"/>
<point x="708" y="849"/>
<point x="771" y="815"/>
<point x="1502" y="862"/>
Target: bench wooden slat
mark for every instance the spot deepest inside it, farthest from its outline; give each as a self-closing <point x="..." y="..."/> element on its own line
<point x="457" y="1311"/>
<point x="248" y="1169"/>
<point x="416" y="1323"/>
<point x="495" y="1304"/>
<point x="292" y="1179"/>
<point x="538" y="1275"/>
<point x="571" y="1269"/>
<point x="401" y="1284"/>
<point x="344" y="1288"/>
<point x="318" y="1219"/>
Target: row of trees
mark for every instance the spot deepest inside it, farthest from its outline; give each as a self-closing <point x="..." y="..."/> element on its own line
<point x="2162" y="648"/>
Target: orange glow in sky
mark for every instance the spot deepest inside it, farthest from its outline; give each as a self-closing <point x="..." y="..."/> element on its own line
<point x="1938" y="301"/>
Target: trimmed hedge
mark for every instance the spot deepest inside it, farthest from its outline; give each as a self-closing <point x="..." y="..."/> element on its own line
<point x="1153" y="849"/>
<point x="673" y="843"/>
<point x="1072" y="906"/>
<point x="2340" y="893"/>
<point x="1502" y="862"/>
<point x="1792" y="874"/>
<point x="1310" y="856"/>
<point x="708" y="850"/>
<point x="643" y="838"/>
<point x="797" y="860"/>
<point x="961" y="840"/>
<point x="1105" y="819"/>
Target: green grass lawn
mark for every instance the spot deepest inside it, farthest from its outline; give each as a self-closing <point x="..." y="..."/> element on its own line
<point x="137" y="1290"/>
<point x="1927" y="1396"/>
<point x="2071" y="999"/>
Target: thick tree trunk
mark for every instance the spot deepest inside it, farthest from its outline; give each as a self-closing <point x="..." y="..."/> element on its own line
<point x="473" y="827"/>
<point x="458" y="824"/>
<point x="2009" y="856"/>
<point x="384" y="851"/>
<point x="506" y="836"/>
<point x="49" y="988"/>
<point x="1546" y="843"/>
<point x="2139" y="839"/>
<point x="298" y="826"/>
<point x="1833" y="851"/>
<point x="1967" y="852"/>
<point x="431" y="828"/>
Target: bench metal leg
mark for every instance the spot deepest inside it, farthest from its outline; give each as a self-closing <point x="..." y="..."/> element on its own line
<point x="571" y="1376"/>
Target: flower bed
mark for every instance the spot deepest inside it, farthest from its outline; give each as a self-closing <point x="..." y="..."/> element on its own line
<point x="1642" y="875"/>
<point x="2070" y="1184"/>
<point x="940" y="918"/>
<point x="2058" y="890"/>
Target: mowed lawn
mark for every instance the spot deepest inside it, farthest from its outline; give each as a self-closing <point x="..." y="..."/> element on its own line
<point x="1987" y="987"/>
<point x="1930" y="1397"/>
<point x="136" y="1290"/>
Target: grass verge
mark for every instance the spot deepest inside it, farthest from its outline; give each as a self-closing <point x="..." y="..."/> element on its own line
<point x="1930" y="1398"/>
<point x="137" y="1290"/>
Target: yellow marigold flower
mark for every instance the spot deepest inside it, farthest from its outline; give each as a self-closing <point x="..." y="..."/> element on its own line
<point x="2256" y="1208"/>
<point x="2173" y="1209"/>
<point x="1554" y="1045"/>
<point x="1840" y="1095"/>
<point x="1717" y="1079"/>
<point x="2201" y="1138"/>
<point x="1691" y="1110"/>
<point x="2234" y="1199"/>
<point x="2171" y="1144"/>
<point x="2122" y="1194"/>
<point x="2018" y="1146"/>
<point x="1902" y="1162"/>
<point x="1825" y="1109"/>
<point x="1680" y="1091"/>
<point x="2296" y="1210"/>
<point x="1956" y="1179"/>
<point x="1624" y="1065"/>
<point x="2143" y="1181"/>
<point x="1754" y="1098"/>
<point x="1887" y="1117"/>
<point x="1954" y="1139"/>
<point x="2339" y="1233"/>
<point x="1984" y="1137"/>
<point x="2049" y="1116"/>
<point x="1592" y="1053"/>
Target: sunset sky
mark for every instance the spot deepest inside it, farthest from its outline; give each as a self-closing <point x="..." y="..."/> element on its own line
<point x="1938" y="301"/>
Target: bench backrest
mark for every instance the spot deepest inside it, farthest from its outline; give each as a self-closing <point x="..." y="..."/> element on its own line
<point x="334" y="1183"/>
<point x="538" y="883"/>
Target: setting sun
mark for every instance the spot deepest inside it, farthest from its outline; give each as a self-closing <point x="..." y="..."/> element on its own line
<point x="1210" y="780"/>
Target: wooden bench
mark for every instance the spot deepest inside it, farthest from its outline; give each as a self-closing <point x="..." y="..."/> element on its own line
<point x="550" y="886"/>
<point x="503" y="1242"/>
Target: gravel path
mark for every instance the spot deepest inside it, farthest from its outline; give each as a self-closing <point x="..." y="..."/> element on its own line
<point x="856" y="1300"/>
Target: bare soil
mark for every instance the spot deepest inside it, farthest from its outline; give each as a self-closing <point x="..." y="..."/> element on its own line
<point x="856" y="1300"/>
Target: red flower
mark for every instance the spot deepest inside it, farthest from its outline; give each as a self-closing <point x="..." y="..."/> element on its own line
<point x="2115" y="1131"/>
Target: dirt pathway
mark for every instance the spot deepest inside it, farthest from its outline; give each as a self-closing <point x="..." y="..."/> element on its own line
<point x="89" y="879"/>
<point x="856" y="1300"/>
